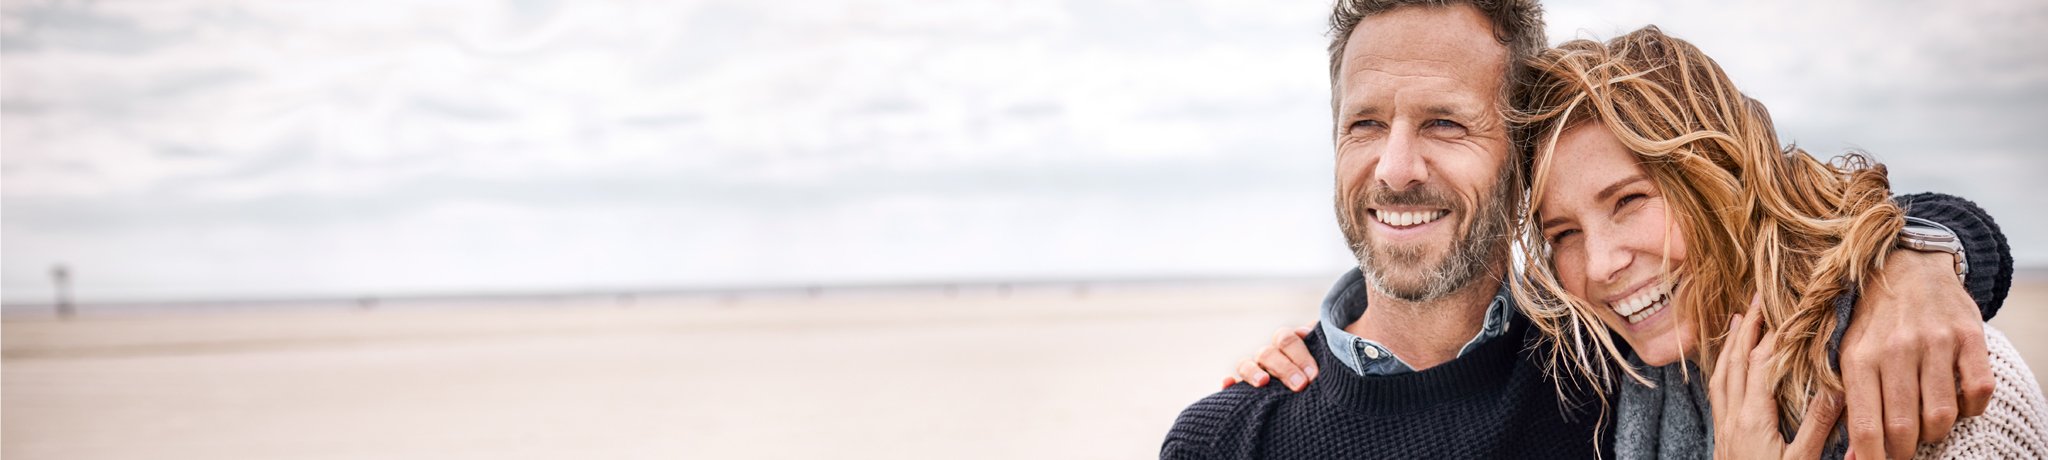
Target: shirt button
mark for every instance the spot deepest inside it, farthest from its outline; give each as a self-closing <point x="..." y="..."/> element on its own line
<point x="1372" y="352"/>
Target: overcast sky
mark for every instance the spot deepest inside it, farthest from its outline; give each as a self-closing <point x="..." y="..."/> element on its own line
<point x="221" y="149"/>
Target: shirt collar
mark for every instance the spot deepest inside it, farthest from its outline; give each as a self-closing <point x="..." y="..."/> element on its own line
<point x="1346" y="302"/>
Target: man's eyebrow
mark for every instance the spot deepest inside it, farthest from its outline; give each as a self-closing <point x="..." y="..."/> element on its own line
<point x="1440" y="110"/>
<point x="1609" y="191"/>
<point x="1366" y="111"/>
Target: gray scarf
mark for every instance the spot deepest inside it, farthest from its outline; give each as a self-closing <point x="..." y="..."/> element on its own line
<point x="1669" y="422"/>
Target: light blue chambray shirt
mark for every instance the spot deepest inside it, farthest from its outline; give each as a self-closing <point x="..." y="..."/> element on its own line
<point x="1346" y="302"/>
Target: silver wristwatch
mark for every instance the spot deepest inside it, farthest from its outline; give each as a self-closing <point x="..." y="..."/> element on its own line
<point x="1930" y="236"/>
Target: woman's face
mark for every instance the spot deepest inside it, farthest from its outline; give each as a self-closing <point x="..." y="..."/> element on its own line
<point x="1614" y="241"/>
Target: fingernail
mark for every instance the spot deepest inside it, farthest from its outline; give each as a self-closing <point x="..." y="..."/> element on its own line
<point x="1260" y="379"/>
<point x="1295" y="381"/>
<point x="1311" y="371"/>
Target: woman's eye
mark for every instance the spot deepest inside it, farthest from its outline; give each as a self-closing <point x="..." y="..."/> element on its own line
<point x="1560" y="236"/>
<point x="1629" y="198"/>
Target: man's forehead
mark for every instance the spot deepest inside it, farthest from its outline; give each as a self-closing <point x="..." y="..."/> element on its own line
<point x="1371" y="92"/>
<point x="1446" y="48"/>
<point x="1457" y="35"/>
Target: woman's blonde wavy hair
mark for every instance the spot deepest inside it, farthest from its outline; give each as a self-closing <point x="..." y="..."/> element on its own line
<point x="1757" y="218"/>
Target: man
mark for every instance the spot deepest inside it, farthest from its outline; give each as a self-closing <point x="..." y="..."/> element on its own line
<point x="1427" y="180"/>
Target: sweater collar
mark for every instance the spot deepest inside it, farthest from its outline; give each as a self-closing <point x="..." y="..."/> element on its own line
<point x="1486" y="369"/>
<point x="1346" y="303"/>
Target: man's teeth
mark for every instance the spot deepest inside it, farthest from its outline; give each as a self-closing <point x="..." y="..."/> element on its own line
<point x="1644" y="304"/>
<point x="1403" y="219"/>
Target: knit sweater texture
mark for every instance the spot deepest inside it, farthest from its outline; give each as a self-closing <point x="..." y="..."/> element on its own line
<point x="1984" y="245"/>
<point x="1494" y="402"/>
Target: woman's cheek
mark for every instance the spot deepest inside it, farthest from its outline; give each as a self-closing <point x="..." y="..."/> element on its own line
<point x="1674" y="251"/>
<point x="1571" y="269"/>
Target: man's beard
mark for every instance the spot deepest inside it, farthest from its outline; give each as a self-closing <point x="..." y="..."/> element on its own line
<point x="1472" y="250"/>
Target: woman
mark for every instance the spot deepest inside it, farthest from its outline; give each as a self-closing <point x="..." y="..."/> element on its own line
<point x="1657" y="185"/>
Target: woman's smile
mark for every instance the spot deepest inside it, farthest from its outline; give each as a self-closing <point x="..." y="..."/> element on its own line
<point x="1645" y="301"/>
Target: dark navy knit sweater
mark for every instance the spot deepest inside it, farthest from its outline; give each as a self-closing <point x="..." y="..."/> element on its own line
<point x="1494" y="402"/>
<point x="1984" y="244"/>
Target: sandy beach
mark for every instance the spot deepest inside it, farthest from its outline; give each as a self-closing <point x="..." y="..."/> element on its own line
<point x="1049" y="373"/>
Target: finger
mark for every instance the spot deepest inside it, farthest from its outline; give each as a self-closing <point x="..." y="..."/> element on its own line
<point x="1900" y="378"/>
<point x="1720" y="386"/>
<point x="1761" y="404"/>
<point x="1937" y="388"/>
<point x="1228" y="381"/>
<point x="1718" y="381"/>
<point x="1973" y="364"/>
<point x="1304" y="330"/>
<point x="1737" y="353"/>
<point x="1248" y="370"/>
<point x="1275" y="362"/>
<point x="1865" y="405"/>
<point x="1297" y="353"/>
<point x="1821" y="414"/>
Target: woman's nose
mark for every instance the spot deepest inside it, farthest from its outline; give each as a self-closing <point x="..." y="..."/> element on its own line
<point x="1605" y="256"/>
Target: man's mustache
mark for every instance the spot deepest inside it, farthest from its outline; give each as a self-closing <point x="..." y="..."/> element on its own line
<point x="1418" y="196"/>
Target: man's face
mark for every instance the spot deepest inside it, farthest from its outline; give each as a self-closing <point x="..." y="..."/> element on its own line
<point x="1422" y="150"/>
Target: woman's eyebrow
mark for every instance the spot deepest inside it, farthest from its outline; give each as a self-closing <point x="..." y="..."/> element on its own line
<point x="1616" y="187"/>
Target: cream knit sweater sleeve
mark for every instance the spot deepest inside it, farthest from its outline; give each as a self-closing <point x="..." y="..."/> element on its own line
<point x="2015" y="425"/>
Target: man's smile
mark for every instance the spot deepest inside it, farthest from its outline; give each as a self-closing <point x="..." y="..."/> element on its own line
<point x="1399" y="219"/>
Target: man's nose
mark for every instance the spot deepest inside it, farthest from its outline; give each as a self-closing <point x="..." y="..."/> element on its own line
<point x="1401" y="165"/>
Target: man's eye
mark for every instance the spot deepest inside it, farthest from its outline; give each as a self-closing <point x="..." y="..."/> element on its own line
<point x="1444" y="127"/>
<point x="1363" y="124"/>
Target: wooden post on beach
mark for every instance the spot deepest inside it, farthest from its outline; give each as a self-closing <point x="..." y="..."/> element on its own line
<point x="62" y="276"/>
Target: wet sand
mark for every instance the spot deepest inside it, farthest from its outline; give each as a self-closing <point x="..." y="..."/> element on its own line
<point x="1028" y="374"/>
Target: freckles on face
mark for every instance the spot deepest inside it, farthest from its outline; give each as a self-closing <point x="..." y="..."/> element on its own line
<point x="1613" y="241"/>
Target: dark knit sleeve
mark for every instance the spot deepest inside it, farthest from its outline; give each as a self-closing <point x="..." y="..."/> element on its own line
<point x="1984" y="245"/>
<point x="1200" y="426"/>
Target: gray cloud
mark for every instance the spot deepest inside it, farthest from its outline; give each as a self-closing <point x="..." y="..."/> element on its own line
<point x="217" y="149"/>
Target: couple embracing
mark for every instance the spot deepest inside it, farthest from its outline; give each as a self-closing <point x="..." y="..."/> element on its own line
<point x="1686" y="287"/>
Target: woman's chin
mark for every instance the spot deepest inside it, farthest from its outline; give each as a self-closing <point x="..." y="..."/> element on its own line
<point x="1657" y="357"/>
<point x="1659" y="349"/>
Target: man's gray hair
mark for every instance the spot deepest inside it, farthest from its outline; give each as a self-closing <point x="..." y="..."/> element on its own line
<point x="1517" y="24"/>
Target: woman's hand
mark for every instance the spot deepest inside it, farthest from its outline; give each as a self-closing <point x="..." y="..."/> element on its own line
<point x="1287" y="356"/>
<point x="1746" y="411"/>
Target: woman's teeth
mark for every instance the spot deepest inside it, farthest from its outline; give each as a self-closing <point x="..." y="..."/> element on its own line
<point x="1403" y="219"/>
<point x="1644" y="304"/>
